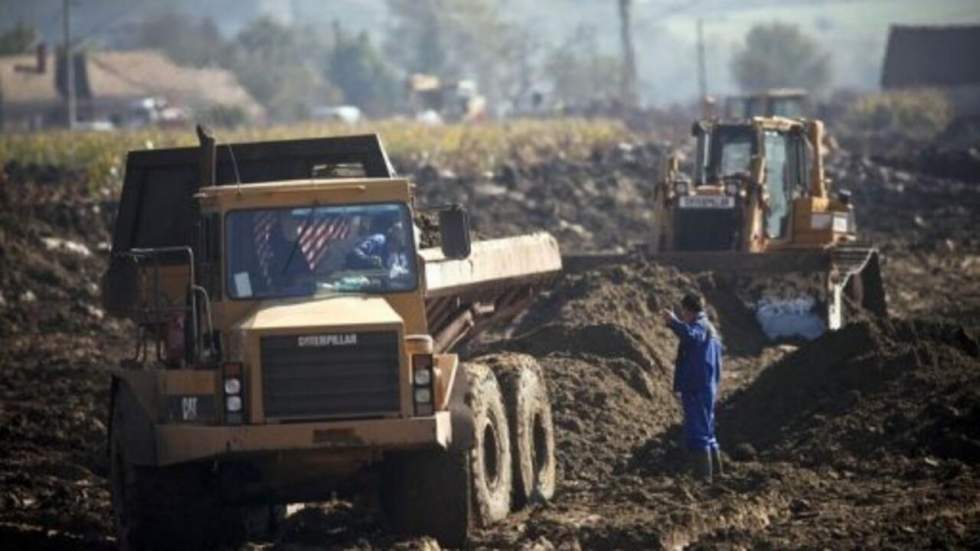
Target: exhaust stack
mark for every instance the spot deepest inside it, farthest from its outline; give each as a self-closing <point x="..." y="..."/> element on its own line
<point x="207" y="160"/>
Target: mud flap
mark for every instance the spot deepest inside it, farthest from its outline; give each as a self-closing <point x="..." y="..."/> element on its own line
<point x="460" y="414"/>
<point x="137" y="429"/>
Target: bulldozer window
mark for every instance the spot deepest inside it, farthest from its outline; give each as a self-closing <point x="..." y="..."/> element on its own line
<point x="777" y="170"/>
<point x="787" y="107"/>
<point x="800" y="159"/>
<point x="305" y="251"/>
<point x="730" y="152"/>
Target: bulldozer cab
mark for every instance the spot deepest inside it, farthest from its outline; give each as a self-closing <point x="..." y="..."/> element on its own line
<point x="748" y="178"/>
<point x="757" y="202"/>
<point x="777" y="102"/>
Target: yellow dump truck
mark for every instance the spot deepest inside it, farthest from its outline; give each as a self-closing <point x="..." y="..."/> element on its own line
<point x="293" y="341"/>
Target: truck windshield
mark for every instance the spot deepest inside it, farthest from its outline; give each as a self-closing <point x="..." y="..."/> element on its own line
<point x="306" y="251"/>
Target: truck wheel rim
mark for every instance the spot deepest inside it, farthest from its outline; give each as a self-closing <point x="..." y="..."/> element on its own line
<point x="539" y="459"/>
<point x="491" y="450"/>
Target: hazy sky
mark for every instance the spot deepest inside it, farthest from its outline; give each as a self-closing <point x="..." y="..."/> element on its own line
<point x="854" y="32"/>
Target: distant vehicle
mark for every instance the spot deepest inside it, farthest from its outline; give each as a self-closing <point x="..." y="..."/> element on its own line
<point x="457" y="100"/>
<point x="152" y="111"/>
<point x="348" y="114"/>
<point x="95" y="126"/>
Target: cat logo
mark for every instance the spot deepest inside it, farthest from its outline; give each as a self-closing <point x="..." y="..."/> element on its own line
<point x="188" y="408"/>
<point x="327" y="340"/>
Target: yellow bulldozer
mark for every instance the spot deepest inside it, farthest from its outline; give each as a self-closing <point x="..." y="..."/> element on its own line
<point x="758" y="206"/>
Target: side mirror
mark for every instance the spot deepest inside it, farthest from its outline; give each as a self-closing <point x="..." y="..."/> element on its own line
<point x="454" y="229"/>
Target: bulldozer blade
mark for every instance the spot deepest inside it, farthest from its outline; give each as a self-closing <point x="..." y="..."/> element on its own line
<point x="834" y="279"/>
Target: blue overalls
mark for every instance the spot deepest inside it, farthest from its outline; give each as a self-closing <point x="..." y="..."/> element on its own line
<point x="697" y="372"/>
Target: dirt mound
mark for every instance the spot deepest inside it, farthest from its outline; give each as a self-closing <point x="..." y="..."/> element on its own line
<point x="54" y="348"/>
<point x="907" y="387"/>
<point x="925" y="228"/>
<point x="609" y="358"/>
<point x="602" y="203"/>
<point x="53" y="242"/>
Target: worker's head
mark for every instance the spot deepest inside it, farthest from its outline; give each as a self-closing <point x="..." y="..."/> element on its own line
<point x="691" y="306"/>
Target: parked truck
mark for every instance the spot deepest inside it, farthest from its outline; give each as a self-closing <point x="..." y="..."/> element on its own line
<point x="291" y="340"/>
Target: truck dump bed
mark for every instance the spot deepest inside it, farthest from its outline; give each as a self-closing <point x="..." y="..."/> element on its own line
<point x="495" y="283"/>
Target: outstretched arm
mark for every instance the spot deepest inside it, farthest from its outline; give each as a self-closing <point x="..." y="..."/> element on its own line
<point x="684" y="331"/>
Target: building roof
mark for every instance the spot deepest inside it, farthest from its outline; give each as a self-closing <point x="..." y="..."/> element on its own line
<point x="931" y="56"/>
<point x="123" y="75"/>
<point x="20" y="83"/>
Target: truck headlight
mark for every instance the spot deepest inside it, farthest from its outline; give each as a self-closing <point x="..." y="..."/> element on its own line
<point x="731" y="188"/>
<point x="422" y="376"/>
<point x="680" y="188"/>
<point x="423" y="396"/>
<point x="233" y="403"/>
<point x="233" y="385"/>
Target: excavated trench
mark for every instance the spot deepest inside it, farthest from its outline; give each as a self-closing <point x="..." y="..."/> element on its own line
<point x="863" y="438"/>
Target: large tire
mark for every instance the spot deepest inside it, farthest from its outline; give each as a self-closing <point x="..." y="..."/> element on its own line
<point x="165" y="508"/>
<point x="531" y="428"/>
<point x="490" y="457"/>
<point x="427" y="493"/>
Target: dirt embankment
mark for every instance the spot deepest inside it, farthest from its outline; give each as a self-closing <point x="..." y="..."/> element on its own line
<point x="926" y="228"/>
<point x="55" y="345"/>
<point x="573" y="199"/>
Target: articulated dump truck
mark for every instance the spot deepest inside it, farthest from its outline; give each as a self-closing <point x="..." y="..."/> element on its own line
<point x="759" y="208"/>
<point x="293" y="342"/>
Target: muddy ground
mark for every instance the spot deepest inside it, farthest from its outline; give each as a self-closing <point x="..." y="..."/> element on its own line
<point x="864" y="438"/>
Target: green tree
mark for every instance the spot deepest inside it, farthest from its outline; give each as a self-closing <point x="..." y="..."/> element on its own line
<point x="580" y="73"/>
<point x="17" y="40"/>
<point x="186" y="40"/>
<point x="356" y="67"/>
<point x="279" y="66"/>
<point x="780" y="55"/>
<point x="459" y="39"/>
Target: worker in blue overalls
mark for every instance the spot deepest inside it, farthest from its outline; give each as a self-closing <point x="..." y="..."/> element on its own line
<point x="697" y="372"/>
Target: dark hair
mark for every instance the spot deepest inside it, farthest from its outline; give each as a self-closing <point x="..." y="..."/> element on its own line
<point x="693" y="302"/>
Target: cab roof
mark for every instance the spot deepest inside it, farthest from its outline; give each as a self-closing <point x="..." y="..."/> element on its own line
<point x="157" y="207"/>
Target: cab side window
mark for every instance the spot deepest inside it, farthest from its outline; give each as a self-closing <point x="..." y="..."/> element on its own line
<point x="778" y="184"/>
<point x="800" y="159"/>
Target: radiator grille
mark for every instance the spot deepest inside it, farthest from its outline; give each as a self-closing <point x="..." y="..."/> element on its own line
<point x="705" y="229"/>
<point x="331" y="375"/>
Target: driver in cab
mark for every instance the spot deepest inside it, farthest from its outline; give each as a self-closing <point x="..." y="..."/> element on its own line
<point x="382" y="250"/>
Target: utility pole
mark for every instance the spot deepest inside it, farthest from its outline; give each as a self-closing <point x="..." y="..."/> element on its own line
<point x="69" y="65"/>
<point x="628" y="80"/>
<point x="707" y="106"/>
<point x="702" y="72"/>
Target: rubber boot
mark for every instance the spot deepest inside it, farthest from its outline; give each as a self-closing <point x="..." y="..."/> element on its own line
<point x="716" y="459"/>
<point x="702" y="464"/>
